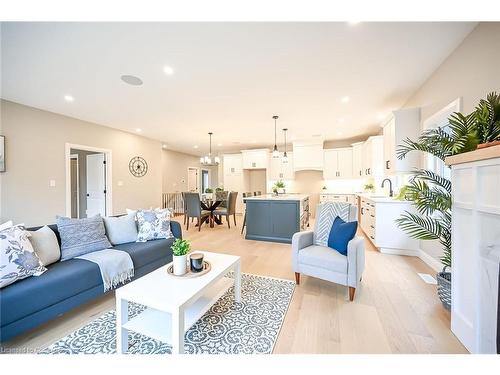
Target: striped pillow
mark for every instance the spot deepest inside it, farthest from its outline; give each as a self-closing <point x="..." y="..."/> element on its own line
<point x="325" y="215"/>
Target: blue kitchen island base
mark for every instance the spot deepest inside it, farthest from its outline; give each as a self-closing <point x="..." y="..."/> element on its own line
<point x="275" y="219"/>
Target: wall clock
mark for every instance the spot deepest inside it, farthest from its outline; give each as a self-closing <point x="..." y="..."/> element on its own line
<point x="138" y="166"/>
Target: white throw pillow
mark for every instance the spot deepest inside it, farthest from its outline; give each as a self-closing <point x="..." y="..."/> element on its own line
<point x="153" y="225"/>
<point x="45" y="244"/>
<point x="6" y="225"/>
<point x="121" y="229"/>
<point x="18" y="260"/>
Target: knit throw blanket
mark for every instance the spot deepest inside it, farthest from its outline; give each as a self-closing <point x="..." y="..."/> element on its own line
<point x="116" y="266"/>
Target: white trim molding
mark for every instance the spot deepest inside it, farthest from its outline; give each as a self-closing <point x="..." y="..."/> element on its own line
<point x="109" y="175"/>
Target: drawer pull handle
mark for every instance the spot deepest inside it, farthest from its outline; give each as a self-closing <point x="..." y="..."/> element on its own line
<point x="371" y="226"/>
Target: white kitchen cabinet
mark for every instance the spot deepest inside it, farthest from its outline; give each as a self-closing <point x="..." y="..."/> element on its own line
<point x="402" y="124"/>
<point x="278" y="170"/>
<point x="255" y="159"/>
<point x="233" y="164"/>
<point x="337" y="163"/>
<point x="332" y="197"/>
<point x="308" y="155"/>
<point x="357" y="160"/>
<point x="378" y="221"/>
<point x="373" y="156"/>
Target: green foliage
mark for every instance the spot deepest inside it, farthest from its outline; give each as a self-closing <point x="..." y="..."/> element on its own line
<point x="487" y="115"/>
<point x="369" y="187"/>
<point x="279" y="185"/>
<point x="431" y="193"/>
<point x="209" y="190"/>
<point x="219" y="189"/>
<point x="181" y="247"/>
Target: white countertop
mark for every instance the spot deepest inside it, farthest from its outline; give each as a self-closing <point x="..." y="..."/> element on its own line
<point x="281" y="197"/>
<point x="332" y="193"/>
<point x="381" y="199"/>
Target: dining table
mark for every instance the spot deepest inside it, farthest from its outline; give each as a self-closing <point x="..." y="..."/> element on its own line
<point x="211" y="205"/>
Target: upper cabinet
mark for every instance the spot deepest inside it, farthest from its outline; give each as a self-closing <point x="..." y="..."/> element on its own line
<point x="373" y="156"/>
<point x="278" y="170"/>
<point x="233" y="164"/>
<point x="255" y="159"/>
<point x="357" y="160"/>
<point x="402" y="124"/>
<point x="308" y="155"/>
<point x="338" y="163"/>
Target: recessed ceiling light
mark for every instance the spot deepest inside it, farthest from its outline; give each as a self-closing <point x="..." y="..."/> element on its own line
<point x="341" y="120"/>
<point x="219" y="144"/>
<point x="168" y="70"/>
<point x="345" y="99"/>
<point x="195" y="146"/>
<point x="131" y="80"/>
<point x="69" y="98"/>
<point x="353" y="23"/>
<point x="138" y="130"/>
<point x="164" y="146"/>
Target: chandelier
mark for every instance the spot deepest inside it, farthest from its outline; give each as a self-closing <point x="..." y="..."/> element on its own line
<point x="208" y="160"/>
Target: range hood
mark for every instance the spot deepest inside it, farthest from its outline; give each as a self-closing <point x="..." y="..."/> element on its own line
<point x="308" y="155"/>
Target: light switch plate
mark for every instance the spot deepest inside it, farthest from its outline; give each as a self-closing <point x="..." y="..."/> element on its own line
<point x="52" y="183"/>
<point x="120" y="183"/>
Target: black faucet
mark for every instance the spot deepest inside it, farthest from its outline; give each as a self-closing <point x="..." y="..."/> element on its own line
<point x="390" y="186"/>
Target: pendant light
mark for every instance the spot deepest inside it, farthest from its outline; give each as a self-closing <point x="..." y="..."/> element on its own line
<point x="285" y="156"/>
<point x="207" y="159"/>
<point x="276" y="153"/>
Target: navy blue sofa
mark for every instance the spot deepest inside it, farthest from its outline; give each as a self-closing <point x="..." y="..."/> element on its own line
<point x="30" y="302"/>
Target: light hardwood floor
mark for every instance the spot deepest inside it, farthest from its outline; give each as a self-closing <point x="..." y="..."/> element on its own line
<point x="394" y="311"/>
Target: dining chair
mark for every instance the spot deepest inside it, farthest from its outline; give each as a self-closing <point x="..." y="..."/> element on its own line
<point x="230" y="210"/>
<point x="184" y="206"/>
<point x="245" y="195"/>
<point x="193" y="209"/>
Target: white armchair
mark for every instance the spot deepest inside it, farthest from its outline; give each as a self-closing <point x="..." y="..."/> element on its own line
<point x="326" y="263"/>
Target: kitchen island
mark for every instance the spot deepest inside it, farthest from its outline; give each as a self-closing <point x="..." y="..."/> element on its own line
<point x="276" y="218"/>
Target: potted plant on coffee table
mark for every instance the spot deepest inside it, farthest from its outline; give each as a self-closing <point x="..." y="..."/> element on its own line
<point x="180" y="249"/>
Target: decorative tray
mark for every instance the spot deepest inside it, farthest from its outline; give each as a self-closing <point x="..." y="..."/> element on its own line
<point x="190" y="274"/>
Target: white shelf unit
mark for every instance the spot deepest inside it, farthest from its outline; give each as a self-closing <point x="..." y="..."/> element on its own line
<point x="475" y="253"/>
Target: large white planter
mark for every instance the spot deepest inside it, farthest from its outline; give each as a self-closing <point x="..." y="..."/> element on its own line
<point x="180" y="264"/>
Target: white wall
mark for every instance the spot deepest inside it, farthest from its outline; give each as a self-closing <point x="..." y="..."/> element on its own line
<point x="175" y="171"/>
<point x="35" y="142"/>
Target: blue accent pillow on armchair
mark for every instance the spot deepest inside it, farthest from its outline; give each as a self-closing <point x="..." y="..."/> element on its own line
<point x="341" y="233"/>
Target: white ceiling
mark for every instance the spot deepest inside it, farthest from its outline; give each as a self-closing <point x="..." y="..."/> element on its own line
<point x="230" y="78"/>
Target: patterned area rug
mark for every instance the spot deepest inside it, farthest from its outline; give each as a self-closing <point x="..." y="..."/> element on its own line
<point x="249" y="327"/>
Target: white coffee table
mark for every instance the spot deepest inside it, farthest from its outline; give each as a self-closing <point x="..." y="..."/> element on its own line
<point x="173" y="304"/>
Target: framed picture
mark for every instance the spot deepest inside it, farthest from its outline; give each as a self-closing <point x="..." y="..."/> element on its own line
<point x="2" y="153"/>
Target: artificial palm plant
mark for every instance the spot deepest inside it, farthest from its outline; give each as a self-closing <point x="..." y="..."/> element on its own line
<point x="431" y="193"/>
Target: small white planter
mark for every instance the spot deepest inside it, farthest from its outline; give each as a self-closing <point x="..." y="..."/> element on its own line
<point x="180" y="264"/>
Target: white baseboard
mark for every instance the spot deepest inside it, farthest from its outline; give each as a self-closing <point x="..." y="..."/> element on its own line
<point x="392" y="251"/>
<point x="430" y="261"/>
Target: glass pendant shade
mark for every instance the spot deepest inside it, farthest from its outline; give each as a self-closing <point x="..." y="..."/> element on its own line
<point x="276" y="153"/>
<point x="284" y="160"/>
<point x="208" y="160"/>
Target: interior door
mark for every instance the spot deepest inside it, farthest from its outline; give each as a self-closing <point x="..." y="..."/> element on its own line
<point x="96" y="185"/>
<point x="75" y="191"/>
<point x="193" y="180"/>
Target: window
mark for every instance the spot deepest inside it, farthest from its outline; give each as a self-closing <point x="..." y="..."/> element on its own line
<point x="204" y="180"/>
<point x="440" y="120"/>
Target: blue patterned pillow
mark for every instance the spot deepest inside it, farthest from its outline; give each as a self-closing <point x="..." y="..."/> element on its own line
<point x="81" y="236"/>
<point x="153" y="225"/>
<point x="18" y="258"/>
